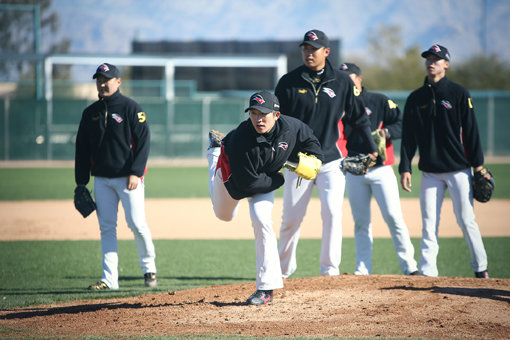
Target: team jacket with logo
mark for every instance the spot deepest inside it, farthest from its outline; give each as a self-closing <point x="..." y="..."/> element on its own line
<point x="382" y="113"/>
<point x="324" y="107"/>
<point x="439" y="119"/>
<point x="113" y="139"/>
<point x="255" y="160"/>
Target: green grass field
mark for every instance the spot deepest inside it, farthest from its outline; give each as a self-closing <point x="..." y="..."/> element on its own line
<point x="45" y="272"/>
<point x="163" y="182"/>
<point x="42" y="272"/>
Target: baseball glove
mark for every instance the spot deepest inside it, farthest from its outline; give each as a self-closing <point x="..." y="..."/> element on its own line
<point x="483" y="187"/>
<point x="356" y="165"/>
<point x="83" y="201"/>
<point x="380" y="142"/>
<point x="308" y="166"/>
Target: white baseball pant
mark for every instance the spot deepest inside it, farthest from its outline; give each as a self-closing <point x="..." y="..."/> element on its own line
<point x="330" y="183"/>
<point x="108" y="192"/>
<point x="432" y="191"/>
<point x="381" y="182"/>
<point x="269" y="275"/>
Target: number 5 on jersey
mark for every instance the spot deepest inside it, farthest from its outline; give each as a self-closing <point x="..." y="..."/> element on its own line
<point x="141" y="117"/>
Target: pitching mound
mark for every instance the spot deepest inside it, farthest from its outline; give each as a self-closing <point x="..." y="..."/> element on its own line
<point x="342" y="306"/>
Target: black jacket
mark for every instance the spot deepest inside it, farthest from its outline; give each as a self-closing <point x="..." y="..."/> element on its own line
<point x="325" y="108"/>
<point x="439" y="120"/>
<point x="256" y="160"/>
<point x="382" y="113"/>
<point x="113" y="139"/>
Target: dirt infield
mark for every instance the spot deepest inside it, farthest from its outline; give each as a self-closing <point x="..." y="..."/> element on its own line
<point x="194" y="219"/>
<point x="342" y="306"/>
<point x="376" y="306"/>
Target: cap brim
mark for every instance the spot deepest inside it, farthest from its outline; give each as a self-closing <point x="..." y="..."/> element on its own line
<point x="311" y="43"/>
<point x="102" y="74"/>
<point x="427" y="53"/>
<point x="260" y="108"/>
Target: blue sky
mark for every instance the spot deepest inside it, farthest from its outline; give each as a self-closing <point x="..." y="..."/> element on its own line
<point x="108" y="26"/>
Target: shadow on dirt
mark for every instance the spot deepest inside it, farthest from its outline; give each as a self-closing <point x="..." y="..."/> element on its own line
<point x="485" y="293"/>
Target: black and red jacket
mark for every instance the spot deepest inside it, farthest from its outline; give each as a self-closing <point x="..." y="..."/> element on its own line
<point x="439" y="119"/>
<point x="325" y="107"/>
<point x="251" y="162"/>
<point x="383" y="113"/>
<point x="113" y="139"/>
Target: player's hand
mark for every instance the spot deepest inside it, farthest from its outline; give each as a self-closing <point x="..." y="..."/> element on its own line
<point x="487" y="174"/>
<point x="373" y="156"/>
<point x="132" y="182"/>
<point x="405" y="181"/>
<point x="382" y="132"/>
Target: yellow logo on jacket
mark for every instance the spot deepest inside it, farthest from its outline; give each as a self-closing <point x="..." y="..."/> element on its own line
<point x="302" y="91"/>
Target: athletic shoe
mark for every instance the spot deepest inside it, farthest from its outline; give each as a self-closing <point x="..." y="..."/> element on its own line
<point x="99" y="285"/>
<point x="482" y="275"/>
<point x="415" y="273"/>
<point x="150" y="280"/>
<point x="215" y="138"/>
<point x="260" y="297"/>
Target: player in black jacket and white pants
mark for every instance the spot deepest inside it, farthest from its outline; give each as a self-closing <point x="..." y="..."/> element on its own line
<point x="113" y="145"/>
<point x="380" y="181"/>
<point x="439" y="119"/>
<point x="247" y="164"/>
<point x="325" y="99"/>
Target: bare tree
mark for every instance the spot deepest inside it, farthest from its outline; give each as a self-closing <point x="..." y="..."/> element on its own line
<point x="17" y="36"/>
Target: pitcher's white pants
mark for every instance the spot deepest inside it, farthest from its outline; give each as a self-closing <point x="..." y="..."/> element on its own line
<point x="108" y="192"/>
<point x="330" y="183"/>
<point x="432" y="191"/>
<point x="381" y="182"/>
<point x="269" y="275"/>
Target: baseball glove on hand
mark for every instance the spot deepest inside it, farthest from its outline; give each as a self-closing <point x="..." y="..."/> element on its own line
<point x="308" y="166"/>
<point x="356" y="165"/>
<point x="483" y="187"/>
<point x="83" y="201"/>
<point x="380" y="142"/>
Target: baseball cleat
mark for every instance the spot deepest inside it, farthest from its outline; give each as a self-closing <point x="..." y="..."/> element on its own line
<point x="150" y="280"/>
<point x="260" y="297"/>
<point x="99" y="285"/>
<point x="482" y="275"/>
<point x="215" y="138"/>
<point x="415" y="273"/>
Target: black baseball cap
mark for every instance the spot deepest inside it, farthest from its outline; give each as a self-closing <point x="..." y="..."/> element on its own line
<point x="316" y="39"/>
<point x="264" y="101"/>
<point x="438" y="50"/>
<point x="107" y="70"/>
<point x="351" y="68"/>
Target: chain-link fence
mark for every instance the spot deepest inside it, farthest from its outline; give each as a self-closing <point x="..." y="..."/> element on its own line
<point x="179" y="127"/>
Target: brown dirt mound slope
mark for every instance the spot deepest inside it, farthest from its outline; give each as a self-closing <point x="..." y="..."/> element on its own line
<point x="342" y="306"/>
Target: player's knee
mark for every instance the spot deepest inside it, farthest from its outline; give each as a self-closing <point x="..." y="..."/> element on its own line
<point x="226" y="217"/>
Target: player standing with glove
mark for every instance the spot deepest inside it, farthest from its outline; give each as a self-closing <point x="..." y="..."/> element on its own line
<point x="246" y="163"/>
<point x="440" y="121"/>
<point x="325" y="99"/>
<point x="380" y="181"/>
<point x="113" y="145"/>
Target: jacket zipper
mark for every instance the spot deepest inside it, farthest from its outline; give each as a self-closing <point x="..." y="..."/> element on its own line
<point x="433" y="100"/>
<point x="105" y="114"/>
<point x="318" y="89"/>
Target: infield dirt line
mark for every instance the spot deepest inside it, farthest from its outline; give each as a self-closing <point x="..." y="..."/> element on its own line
<point x="194" y="219"/>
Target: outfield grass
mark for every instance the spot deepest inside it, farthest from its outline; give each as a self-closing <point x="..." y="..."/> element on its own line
<point x="163" y="182"/>
<point x="45" y="272"/>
